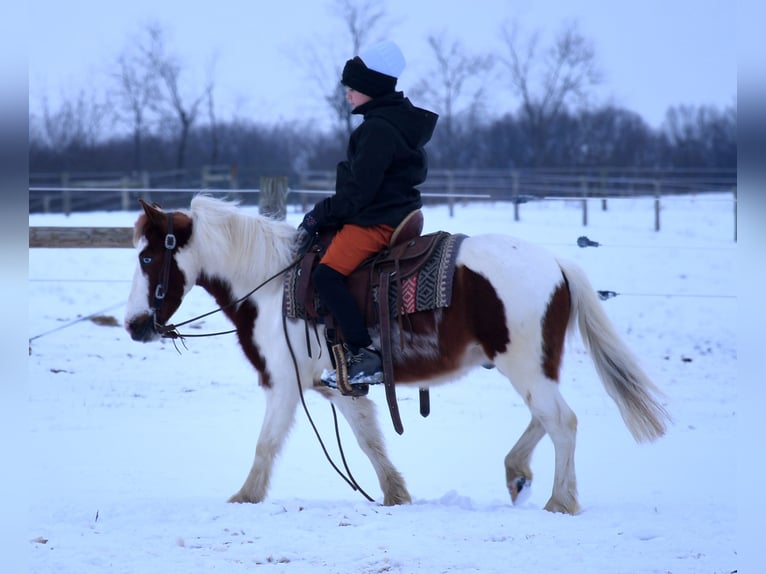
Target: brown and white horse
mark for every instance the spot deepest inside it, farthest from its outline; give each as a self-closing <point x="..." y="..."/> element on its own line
<point x="512" y="306"/>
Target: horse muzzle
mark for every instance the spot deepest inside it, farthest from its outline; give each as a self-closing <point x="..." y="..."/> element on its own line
<point x="143" y="328"/>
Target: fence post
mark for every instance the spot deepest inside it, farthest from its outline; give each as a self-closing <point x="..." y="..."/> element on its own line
<point x="515" y="176"/>
<point x="450" y="191"/>
<point x="584" y="189"/>
<point x="146" y="184"/>
<point x="657" y="193"/>
<point x="66" y="195"/>
<point x="272" y="200"/>
<point x="234" y="182"/>
<point x="125" y="194"/>
<point x="205" y="177"/>
<point x="735" y="214"/>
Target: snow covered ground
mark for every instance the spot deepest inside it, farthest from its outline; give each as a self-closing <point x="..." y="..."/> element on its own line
<point x="135" y="448"/>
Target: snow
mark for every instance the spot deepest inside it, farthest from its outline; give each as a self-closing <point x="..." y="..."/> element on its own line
<point x="136" y="447"/>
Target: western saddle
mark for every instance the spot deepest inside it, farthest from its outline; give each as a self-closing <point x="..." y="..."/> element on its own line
<point x="406" y="253"/>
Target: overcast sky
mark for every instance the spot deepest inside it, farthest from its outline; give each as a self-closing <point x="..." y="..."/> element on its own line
<point x="653" y="53"/>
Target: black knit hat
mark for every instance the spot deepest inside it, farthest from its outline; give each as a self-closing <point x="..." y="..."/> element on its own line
<point x="375" y="71"/>
<point x="359" y="77"/>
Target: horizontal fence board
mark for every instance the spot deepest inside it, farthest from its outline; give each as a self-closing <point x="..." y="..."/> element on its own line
<point x="73" y="192"/>
<point x="80" y="237"/>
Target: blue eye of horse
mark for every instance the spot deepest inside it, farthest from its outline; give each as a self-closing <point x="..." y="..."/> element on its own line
<point x="146" y="260"/>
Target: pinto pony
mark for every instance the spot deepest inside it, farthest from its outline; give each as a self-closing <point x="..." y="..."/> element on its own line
<point x="512" y="306"/>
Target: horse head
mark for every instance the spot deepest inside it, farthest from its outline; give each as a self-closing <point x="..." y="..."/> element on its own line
<point x="159" y="284"/>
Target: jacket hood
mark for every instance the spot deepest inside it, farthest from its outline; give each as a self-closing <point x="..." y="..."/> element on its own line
<point x="415" y="124"/>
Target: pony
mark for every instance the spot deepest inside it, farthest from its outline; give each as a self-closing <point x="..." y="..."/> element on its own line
<point x="513" y="305"/>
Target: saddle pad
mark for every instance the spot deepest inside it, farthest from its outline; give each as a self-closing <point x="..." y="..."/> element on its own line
<point x="292" y="307"/>
<point x="431" y="286"/>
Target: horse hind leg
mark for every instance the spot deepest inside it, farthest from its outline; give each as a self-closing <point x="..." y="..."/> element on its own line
<point x="551" y="415"/>
<point x="559" y="421"/>
<point x="361" y="416"/>
<point x="518" y="474"/>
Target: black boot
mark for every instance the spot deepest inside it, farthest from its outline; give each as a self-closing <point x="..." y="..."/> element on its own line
<point x="356" y="370"/>
<point x="364" y="366"/>
<point x="357" y="362"/>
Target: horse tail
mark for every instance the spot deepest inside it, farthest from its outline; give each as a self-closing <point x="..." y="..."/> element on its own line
<point x="624" y="380"/>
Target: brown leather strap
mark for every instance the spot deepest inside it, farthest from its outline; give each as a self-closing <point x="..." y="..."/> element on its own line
<point x="304" y="293"/>
<point x="386" y="355"/>
<point x="399" y="303"/>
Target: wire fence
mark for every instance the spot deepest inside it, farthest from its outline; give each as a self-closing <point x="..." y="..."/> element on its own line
<point x="72" y="192"/>
<point x="684" y="202"/>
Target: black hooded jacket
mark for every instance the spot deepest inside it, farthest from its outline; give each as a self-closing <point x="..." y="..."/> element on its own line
<point x="385" y="162"/>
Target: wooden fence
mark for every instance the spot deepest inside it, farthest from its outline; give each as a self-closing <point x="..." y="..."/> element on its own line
<point x="80" y="237"/>
<point x="273" y="199"/>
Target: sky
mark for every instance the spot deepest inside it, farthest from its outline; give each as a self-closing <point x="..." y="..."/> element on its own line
<point x="653" y="54"/>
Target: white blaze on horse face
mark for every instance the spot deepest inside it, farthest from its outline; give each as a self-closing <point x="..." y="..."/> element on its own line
<point x="138" y="300"/>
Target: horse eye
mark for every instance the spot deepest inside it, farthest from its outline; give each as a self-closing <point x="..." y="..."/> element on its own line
<point x="146" y="260"/>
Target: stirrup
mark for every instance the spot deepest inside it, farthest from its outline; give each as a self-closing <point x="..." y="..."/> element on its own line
<point x="338" y="379"/>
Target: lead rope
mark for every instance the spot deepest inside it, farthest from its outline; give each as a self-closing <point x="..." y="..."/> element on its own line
<point x="350" y="480"/>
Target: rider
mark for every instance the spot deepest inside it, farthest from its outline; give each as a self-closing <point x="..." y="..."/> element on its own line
<point x="374" y="191"/>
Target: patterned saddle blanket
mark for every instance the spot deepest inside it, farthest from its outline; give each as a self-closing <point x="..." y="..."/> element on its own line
<point x="417" y="275"/>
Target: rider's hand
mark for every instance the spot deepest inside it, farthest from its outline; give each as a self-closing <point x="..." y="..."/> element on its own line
<point x="306" y="234"/>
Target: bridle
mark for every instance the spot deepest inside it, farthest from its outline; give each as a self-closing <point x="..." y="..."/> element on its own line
<point x="162" y="287"/>
<point x="160" y="291"/>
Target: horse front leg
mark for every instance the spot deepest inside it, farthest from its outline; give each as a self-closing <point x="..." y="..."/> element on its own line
<point x="279" y="418"/>
<point x="360" y="412"/>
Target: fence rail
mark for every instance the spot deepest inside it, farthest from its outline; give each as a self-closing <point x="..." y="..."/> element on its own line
<point x="71" y="192"/>
<point x="443" y="186"/>
<point x="80" y="236"/>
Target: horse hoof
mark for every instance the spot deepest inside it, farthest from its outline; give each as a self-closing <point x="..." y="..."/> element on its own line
<point x="241" y="498"/>
<point x="559" y="507"/>
<point x="397" y="499"/>
<point x="520" y="489"/>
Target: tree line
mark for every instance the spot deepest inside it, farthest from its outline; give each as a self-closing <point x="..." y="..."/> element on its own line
<point x="153" y="120"/>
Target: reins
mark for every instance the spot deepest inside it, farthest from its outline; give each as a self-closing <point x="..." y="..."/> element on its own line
<point x="171" y="331"/>
<point x="349" y="478"/>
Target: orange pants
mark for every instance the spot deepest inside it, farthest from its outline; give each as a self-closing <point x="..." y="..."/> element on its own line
<point x="353" y="244"/>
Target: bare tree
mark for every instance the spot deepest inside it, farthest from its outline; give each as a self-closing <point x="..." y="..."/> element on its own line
<point x="548" y="85"/>
<point x="360" y="20"/>
<point x="176" y="108"/>
<point x="77" y="122"/>
<point x="215" y="138"/>
<point x="698" y="136"/>
<point x="324" y="58"/>
<point x="455" y="88"/>
<point x="137" y="94"/>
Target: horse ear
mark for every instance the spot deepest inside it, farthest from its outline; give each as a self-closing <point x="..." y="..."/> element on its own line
<point x="153" y="212"/>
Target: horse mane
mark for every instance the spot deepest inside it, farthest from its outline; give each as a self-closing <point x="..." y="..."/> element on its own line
<point x="254" y="244"/>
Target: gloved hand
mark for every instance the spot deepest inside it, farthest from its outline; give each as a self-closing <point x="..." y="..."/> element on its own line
<point x="306" y="234"/>
<point x="309" y="223"/>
